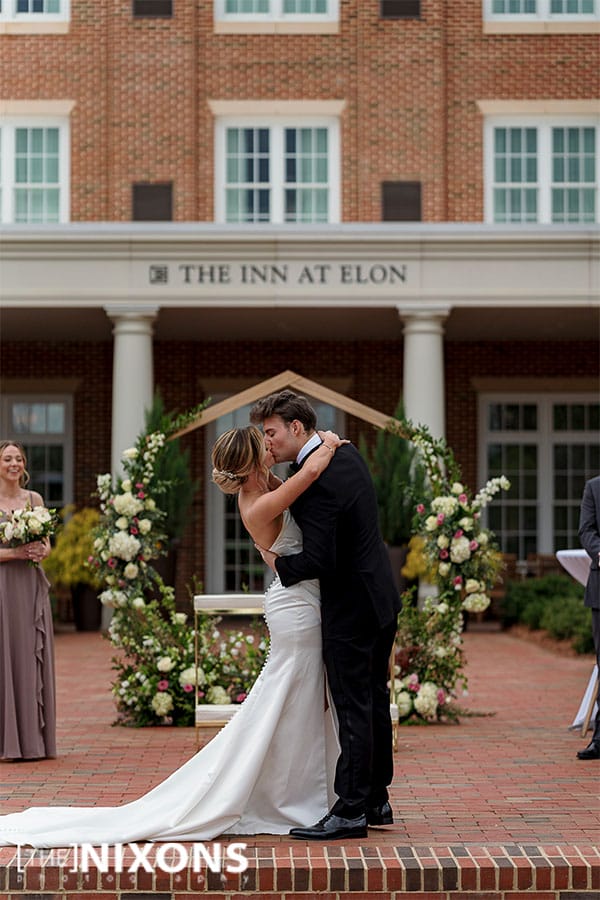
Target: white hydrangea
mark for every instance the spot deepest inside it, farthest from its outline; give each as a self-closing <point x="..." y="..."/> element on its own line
<point x="426" y="701"/>
<point x="459" y="549"/>
<point x="127" y="505"/>
<point x="124" y="546"/>
<point x="217" y="694"/>
<point x="162" y="703"/>
<point x="476" y="602"/>
<point x="445" y="505"/>
<point x="189" y="676"/>
<point x="404" y="703"/>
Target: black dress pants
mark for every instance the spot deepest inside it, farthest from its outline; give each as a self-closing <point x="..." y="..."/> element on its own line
<point x="358" y="671"/>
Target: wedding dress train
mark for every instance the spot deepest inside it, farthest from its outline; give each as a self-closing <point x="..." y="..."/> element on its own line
<point x="269" y="769"/>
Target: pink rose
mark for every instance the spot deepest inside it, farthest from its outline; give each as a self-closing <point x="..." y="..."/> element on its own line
<point x="200" y="694"/>
<point x="188" y="688"/>
<point x="462" y="498"/>
<point x="441" y="697"/>
<point x="420" y="509"/>
<point x="473" y="545"/>
<point x="141" y="495"/>
<point x="162" y="685"/>
<point x="111" y="563"/>
<point x="440" y="518"/>
<point x="240" y="698"/>
<point x="444" y="554"/>
<point x="457" y="581"/>
<point x="458" y="533"/>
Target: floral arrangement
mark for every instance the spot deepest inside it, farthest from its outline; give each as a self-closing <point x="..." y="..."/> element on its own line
<point x="454" y="551"/>
<point x="156" y="677"/>
<point x="22" y="526"/>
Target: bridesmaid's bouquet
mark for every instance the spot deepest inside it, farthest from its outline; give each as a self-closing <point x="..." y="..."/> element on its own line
<point x="22" y="526"/>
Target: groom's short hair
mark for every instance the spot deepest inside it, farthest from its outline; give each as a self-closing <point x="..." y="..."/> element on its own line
<point x="288" y="406"/>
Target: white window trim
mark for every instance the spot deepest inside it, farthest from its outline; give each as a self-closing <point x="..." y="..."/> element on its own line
<point x="276" y="14"/>
<point x="12" y="21"/>
<point x="541" y="437"/>
<point x="8" y="125"/>
<point x="544" y="125"/>
<point x="279" y="123"/>
<point x="543" y="21"/>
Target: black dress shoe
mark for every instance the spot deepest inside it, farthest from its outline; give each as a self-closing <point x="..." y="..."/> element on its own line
<point x="380" y="815"/>
<point x="592" y="751"/>
<point x="332" y="828"/>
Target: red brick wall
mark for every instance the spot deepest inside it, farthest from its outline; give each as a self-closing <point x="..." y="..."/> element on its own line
<point x="141" y="88"/>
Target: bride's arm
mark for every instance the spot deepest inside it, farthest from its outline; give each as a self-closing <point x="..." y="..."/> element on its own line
<point x="268" y="506"/>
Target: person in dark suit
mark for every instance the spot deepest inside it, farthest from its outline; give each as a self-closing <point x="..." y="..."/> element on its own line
<point x="343" y="548"/>
<point x="589" y="535"/>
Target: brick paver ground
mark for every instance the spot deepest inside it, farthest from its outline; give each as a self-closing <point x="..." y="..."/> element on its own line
<point x="507" y="776"/>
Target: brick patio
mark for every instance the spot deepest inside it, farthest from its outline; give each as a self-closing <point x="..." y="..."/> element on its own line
<point x="496" y="807"/>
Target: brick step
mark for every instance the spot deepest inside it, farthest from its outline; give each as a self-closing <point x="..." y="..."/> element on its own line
<point x="329" y="872"/>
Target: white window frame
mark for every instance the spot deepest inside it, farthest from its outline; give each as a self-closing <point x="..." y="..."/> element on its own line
<point x="544" y="126"/>
<point x="277" y="126"/>
<point x="9" y="13"/>
<point x="8" y="128"/>
<point x="544" y="437"/>
<point x="276" y="14"/>
<point x="543" y="13"/>
<point x="65" y="439"/>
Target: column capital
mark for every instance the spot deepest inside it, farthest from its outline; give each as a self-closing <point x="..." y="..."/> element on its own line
<point x="129" y="312"/>
<point x="412" y="315"/>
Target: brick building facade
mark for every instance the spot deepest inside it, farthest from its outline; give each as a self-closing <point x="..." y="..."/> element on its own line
<point x="465" y="127"/>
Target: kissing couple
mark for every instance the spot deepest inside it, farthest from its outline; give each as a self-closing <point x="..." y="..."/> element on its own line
<point x="309" y="752"/>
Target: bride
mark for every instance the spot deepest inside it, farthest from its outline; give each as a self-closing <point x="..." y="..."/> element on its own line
<point x="272" y="766"/>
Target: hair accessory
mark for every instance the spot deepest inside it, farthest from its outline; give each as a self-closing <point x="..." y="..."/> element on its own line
<point x="230" y="475"/>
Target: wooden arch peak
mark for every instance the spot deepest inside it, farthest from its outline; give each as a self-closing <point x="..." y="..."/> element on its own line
<point x="298" y="383"/>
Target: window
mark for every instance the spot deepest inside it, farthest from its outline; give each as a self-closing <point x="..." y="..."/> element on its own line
<point x="276" y="10"/>
<point x="401" y="201"/>
<point x="232" y="561"/>
<point x="542" y="172"/>
<point x="34" y="160"/>
<point x="43" y="425"/>
<point x="152" y="202"/>
<point x="400" y="9"/>
<point x="547" y="447"/>
<point x="277" y="172"/>
<point x="152" y="9"/>
<point x="34" y="10"/>
<point x="541" y="10"/>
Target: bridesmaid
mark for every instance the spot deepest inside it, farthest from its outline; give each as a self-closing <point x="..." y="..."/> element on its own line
<point x="27" y="692"/>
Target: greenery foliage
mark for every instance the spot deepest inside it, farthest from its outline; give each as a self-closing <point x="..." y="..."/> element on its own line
<point x="399" y="480"/>
<point x="172" y="472"/>
<point x="554" y="604"/>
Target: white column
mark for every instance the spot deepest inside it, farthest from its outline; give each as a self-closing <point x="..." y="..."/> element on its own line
<point x="423" y="381"/>
<point x="133" y="375"/>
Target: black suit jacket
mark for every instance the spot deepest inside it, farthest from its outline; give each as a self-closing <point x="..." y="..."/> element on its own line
<point x="589" y="535"/>
<point x="343" y="548"/>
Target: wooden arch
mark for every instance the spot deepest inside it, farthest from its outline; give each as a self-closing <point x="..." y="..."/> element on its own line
<point x="287" y="379"/>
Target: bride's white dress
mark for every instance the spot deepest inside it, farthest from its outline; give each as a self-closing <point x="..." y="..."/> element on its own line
<point x="269" y="769"/>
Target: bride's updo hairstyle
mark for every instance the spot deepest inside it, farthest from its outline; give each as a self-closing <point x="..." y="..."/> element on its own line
<point x="235" y="454"/>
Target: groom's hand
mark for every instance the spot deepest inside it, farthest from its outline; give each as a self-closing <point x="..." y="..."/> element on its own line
<point x="268" y="557"/>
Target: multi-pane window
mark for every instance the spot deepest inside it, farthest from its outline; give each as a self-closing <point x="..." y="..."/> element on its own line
<point x="277" y="173"/>
<point x="274" y="10"/>
<point x="547" y="447"/>
<point x="33" y="172"/>
<point x="544" y="10"/>
<point x="542" y="172"/>
<point x="44" y="427"/>
<point x="38" y="10"/>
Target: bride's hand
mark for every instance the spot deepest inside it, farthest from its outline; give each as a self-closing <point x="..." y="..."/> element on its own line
<point x="268" y="557"/>
<point x="332" y="439"/>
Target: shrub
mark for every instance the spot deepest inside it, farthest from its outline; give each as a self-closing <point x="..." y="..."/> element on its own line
<point x="553" y="603"/>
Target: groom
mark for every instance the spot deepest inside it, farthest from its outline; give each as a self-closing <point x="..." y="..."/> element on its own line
<point x="343" y="548"/>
